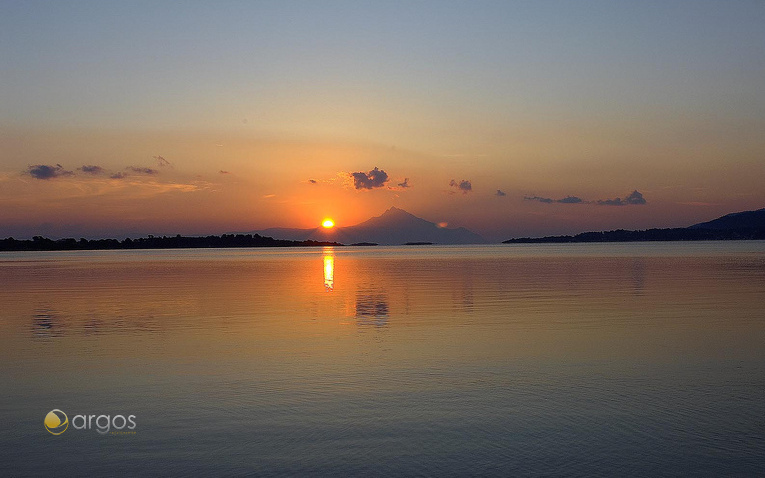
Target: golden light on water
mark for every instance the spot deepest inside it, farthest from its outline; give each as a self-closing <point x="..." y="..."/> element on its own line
<point x="329" y="269"/>
<point x="328" y="223"/>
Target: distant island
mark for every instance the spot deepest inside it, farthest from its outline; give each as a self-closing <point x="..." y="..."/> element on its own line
<point x="739" y="226"/>
<point x="39" y="243"/>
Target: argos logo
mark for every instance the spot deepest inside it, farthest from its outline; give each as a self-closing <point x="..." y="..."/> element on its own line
<point x="56" y="422"/>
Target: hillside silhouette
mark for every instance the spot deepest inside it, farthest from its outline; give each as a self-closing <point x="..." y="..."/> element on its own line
<point x="747" y="225"/>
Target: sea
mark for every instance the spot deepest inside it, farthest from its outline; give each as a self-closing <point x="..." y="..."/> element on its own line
<point x="620" y="359"/>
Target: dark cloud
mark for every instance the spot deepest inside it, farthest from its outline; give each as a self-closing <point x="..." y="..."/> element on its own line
<point x="312" y="181"/>
<point x="375" y="178"/>
<point x="92" y="169"/>
<point x="162" y="162"/>
<point x="463" y="185"/>
<point x="223" y="172"/>
<point x="565" y="200"/>
<point x="118" y="176"/>
<point x="634" y="198"/>
<point x="500" y="193"/>
<point x="405" y="184"/>
<point x="142" y="170"/>
<point x="44" y="171"/>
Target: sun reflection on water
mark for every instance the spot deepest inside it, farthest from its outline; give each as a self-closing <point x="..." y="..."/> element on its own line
<point x="329" y="269"/>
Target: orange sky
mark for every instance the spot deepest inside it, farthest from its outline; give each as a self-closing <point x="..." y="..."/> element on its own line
<point x="235" y="183"/>
<point x="263" y="112"/>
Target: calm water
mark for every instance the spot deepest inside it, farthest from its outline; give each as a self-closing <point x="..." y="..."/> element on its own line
<point x="581" y="359"/>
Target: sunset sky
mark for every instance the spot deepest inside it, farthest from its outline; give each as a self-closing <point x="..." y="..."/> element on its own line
<point x="509" y="118"/>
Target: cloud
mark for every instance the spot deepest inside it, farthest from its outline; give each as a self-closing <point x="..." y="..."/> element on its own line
<point x="223" y="172"/>
<point x="375" y="178"/>
<point x="92" y="169"/>
<point x="540" y="199"/>
<point x="634" y="198"/>
<point x="312" y="181"/>
<point x="44" y="171"/>
<point x="405" y="184"/>
<point x="500" y="193"/>
<point x="162" y="162"/>
<point x="119" y="175"/>
<point x="142" y="170"/>
<point x="464" y="185"/>
<point x="565" y="200"/>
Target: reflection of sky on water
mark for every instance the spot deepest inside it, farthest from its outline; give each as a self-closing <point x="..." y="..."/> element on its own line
<point x="372" y="308"/>
<point x="45" y="324"/>
<point x="637" y="275"/>
<point x="648" y="345"/>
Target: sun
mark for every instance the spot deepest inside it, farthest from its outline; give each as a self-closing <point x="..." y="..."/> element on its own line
<point x="328" y="223"/>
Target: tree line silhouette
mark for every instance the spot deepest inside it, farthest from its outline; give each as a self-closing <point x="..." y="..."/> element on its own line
<point x="39" y="243"/>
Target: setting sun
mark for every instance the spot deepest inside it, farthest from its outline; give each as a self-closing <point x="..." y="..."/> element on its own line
<point x="328" y="223"/>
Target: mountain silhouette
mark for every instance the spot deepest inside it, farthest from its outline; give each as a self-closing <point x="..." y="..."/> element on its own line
<point x="395" y="226"/>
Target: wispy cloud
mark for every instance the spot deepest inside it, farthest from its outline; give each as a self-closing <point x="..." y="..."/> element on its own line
<point x="44" y="171"/>
<point x="153" y="188"/>
<point x="375" y="178"/>
<point x="142" y="170"/>
<point x="405" y="184"/>
<point x="162" y="162"/>
<point x="699" y="203"/>
<point x="500" y="193"/>
<point x="539" y="199"/>
<point x="634" y="198"/>
<point x="565" y="200"/>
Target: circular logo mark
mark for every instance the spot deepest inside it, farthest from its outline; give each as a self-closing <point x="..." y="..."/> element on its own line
<point x="56" y="422"/>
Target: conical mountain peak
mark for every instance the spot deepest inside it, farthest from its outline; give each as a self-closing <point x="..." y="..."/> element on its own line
<point x="394" y="226"/>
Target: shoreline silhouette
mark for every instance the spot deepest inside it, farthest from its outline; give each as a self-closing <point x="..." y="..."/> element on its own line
<point x="39" y="243"/>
